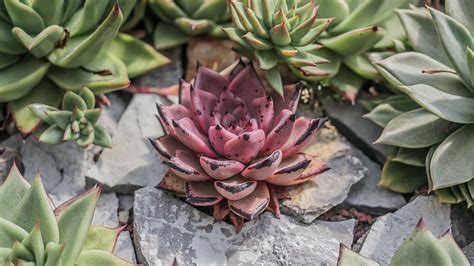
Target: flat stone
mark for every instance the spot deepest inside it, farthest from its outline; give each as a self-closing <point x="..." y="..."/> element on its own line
<point x="106" y="212"/>
<point x="388" y="232"/>
<point x="125" y="207"/>
<point x="62" y="166"/>
<point x="133" y="163"/>
<point x="11" y="152"/>
<point x="124" y="247"/>
<point x="111" y="114"/>
<point x="166" y="228"/>
<point x="315" y="197"/>
<point x="367" y="196"/>
<point x="358" y="130"/>
<point x="462" y="220"/>
<point x="210" y="52"/>
<point x="469" y="251"/>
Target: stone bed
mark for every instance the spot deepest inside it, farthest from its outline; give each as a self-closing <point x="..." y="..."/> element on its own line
<point x="163" y="229"/>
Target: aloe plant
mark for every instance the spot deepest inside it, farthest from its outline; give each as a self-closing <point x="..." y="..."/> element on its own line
<point x="421" y="247"/>
<point x="180" y="20"/>
<point x="77" y="120"/>
<point x="361" y="31"/>
<point x="47" y="48"/>
<point x="35" y="233"/>
<point x="432" y="120"/>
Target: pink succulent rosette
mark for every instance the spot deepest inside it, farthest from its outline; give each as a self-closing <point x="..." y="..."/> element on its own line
<point x="231" y="145"/>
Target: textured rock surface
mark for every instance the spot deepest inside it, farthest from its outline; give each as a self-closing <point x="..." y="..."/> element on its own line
<point x="165" y="228"/>
<point x="462" y="220"/>
<point x="351" y="169"/>
<point x="111" y="114"/>
<point x="133" y="163"/>
<point x="10" y="151"/>
<point x="209" y="52"/>
<point x="469" y="251"/>
<point x="62" y="166"/>
<point x="313" y="198"/>
<point x="367" y="196"/>
<point x="360" y="131"/>
<point x="388" y="232"/>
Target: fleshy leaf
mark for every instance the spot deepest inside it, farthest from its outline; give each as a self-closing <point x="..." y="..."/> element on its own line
<point x="74" y="219"/>
<point x="11" y="192"/>
<point x="35" y="206"/>
<point x="456" y="151"/>
<point x="402" y="178"/>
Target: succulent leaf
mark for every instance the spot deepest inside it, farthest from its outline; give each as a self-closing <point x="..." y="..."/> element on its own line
<point x="33" y="233"/>
<point x="229" y="141"/>
<point x="77" y="121"/>
<point x="437" y="77"/>
<point x="180" y="20"/>
<point x="64" y="42"/>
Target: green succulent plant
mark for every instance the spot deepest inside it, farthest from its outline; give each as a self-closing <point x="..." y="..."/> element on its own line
<point x="360" y="32"/>
<point x="48" y="47"/>
<point x="180" y="20"/>
<point x="76" y="121"/>
<point x="33" y="232"/>
<point x="277" y="33"/>
<point x="431" y="121"/>
<point x="421" y="247"/>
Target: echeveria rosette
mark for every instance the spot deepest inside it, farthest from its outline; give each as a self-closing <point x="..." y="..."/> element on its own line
<point x="352" y="41"/>
<point x="421" y="247"/>
<point x="277" y="33"/>
<point x="48" y="47"/>
<point x="76" y="121"/>
<point x="180" y="20"/>
<point x="231" y="145"/>
<point x="34" y="232"/>
<point x="432" y="120"/>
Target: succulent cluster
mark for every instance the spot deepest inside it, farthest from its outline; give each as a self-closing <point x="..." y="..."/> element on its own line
<point x="277" y="32"/>
<point x="35" y="233"/>
<point x="353" y="40"/>
<point x="49" y="47"/>
<point x="431" y="122"/>
<point x="421" y="247"/>
<point x="230" y="145"/>
<point x="183" y="19"/>
<point x="77" y="121"/>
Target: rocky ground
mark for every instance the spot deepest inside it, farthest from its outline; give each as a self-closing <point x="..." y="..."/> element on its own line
<point x="343" y="205"/>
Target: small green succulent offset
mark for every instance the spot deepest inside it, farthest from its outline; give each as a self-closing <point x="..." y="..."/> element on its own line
<point x="361" y="31"/>
<point x="431" y="120"/>
<point x="421" y="247"/>
<point x="48" y="47"/>
<point x="33" y="232"/>
<point x="180" y="20"/>
<point x="76" y="121"/>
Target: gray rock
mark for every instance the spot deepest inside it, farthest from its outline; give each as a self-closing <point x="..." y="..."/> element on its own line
<point x="315" y="197"/>
<point x="10" y="151"/>
<point x="367" y="196"/>
<point x="62" y="166"/>
<point x="111" y="114"/>
<point x="106" y="212"/>
<point x="133" y="163"/>
<point x="388" y="232"/>
<point x="462" y="220"/>
<point x="166" y="228"/>
<point x="124" y="247"/>
<point x="358" y="130"/>
<point x="125" y="207"/>
<point x="469" y="251"/>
